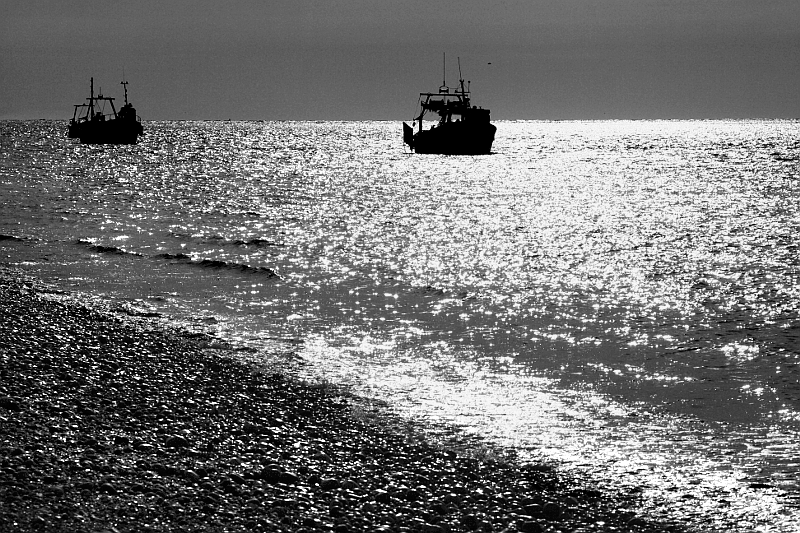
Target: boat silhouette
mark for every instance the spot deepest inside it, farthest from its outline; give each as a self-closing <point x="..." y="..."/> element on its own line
<point x="462" y="129"/>
<point x="93" y="125"/>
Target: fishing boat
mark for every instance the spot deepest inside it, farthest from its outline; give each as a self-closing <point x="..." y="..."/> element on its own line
<point x="462" y="129"/>
<point x="92" y="123"/>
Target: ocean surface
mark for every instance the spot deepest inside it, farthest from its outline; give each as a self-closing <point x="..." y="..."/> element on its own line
<point x="619" y="297"/>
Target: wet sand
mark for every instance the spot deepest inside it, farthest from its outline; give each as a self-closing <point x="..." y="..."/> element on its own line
<point x="112" y="423"/>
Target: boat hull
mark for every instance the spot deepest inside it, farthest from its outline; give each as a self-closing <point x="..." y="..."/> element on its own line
<point x="453" y="138"/>
<point x="114" y="131"/>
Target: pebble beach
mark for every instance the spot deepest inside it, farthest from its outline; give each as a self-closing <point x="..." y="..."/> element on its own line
<point x="110" y="423"/>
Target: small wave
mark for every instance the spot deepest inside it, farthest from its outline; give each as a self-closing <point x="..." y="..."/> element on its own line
<point x="429" y="289"/>
<point x="217" y="264"/>
<point x="134" y="310"/>
<point x="224" y="265"/>
<point x="782" y="157"/>
<point x="218" y="239"/>
<point x="256" y="242"/>
<point x="174" y="257"/>
<point x="101" y="249"/>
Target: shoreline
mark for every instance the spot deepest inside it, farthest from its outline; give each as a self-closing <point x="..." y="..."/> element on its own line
<point x="112" y="424"/>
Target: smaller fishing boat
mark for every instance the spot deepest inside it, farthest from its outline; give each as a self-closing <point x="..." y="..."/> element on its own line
<point x="92" y="123"/>
<point x="462" y="129"/>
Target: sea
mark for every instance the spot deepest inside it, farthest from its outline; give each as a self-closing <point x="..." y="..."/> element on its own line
<point x="616" y="298"/>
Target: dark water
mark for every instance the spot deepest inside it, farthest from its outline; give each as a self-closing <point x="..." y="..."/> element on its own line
<point x="621" y="297"/>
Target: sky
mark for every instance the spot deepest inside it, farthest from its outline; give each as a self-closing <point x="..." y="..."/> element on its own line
<point x="369" y="60"/>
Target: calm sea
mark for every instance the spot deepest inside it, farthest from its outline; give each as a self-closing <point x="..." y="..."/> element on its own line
<point x="617" y="296"/>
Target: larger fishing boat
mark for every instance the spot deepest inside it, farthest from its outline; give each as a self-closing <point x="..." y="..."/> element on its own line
<point x="93" y="123"/>
<point x="462" y="128"/>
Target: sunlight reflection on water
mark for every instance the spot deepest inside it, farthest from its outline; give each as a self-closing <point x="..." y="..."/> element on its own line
<point x="618" y="296"/>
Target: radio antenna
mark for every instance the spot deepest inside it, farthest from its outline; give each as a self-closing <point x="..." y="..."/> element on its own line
<point x="124" y="85"/>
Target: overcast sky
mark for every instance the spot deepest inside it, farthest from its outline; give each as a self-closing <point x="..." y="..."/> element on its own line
<point x="359" y="59"/>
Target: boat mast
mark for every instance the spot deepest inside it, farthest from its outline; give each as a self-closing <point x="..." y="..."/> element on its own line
<point x="91" y="97"/>
<point x="460" y="78"/>
<point x="444" y="89"/>
<point x="125" y="86"/>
